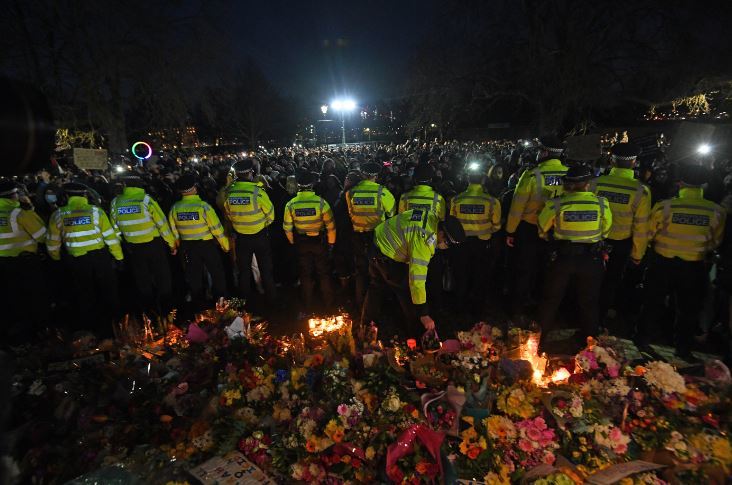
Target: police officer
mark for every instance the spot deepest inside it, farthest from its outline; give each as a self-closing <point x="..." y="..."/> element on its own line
<point x="145" y="230"/>
<point x="21" y="231"/>
<point x="630" y="203"/>
<point x="89" y="239"/>
<point x="249" y="211"/>
<point x="195" y="224"/>
<point x="534" y="188"/>
<point x="423" y="196"/>
<point x="306" y="217"/>
<point x="683" y="231"/>
<point x="479" y="214"/>
<point x="369" y="204"/>
<point x="400" y="254"/>
<point x="576" y="222"/>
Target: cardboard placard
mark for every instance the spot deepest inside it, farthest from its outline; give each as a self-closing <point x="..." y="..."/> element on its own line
<point x="617" y="472"/>
<point x="584" y="147"/>
<point x="90" y="158"/>
<point x="230" y="469"/>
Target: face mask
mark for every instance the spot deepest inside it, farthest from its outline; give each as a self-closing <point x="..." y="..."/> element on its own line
<point x="51" y="198"/>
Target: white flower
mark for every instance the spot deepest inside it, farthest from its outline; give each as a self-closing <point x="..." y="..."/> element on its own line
<point x="663" y="377"/>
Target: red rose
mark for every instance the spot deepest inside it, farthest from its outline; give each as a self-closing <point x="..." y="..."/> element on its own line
<point x="395" y="474"/>
<point x="356" y="463"/>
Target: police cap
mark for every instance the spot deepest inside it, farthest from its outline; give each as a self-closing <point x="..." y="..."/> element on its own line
<point x="578" y="173"/>
<point x="625" y="151"/>
<point x="694" y="175"/>
<point x="453" y="229"/>
<point x="424" y="173"/>
<point x="371" y="168"/>
<point x="551" y="144"/>
<point x="7" y="188"/>
<point x="75" y="188"/>
<point x="243" y="166"/>
<point x="132" y="180"/>
<point x="185" y="183"/>
<point x="306" y="178"/>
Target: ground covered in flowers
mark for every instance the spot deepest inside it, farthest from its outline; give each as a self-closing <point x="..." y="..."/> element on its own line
<point x="314" y="409"/>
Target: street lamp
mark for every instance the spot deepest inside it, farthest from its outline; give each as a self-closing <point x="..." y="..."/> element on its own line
<point x="324" y="109"/>
<point x="343" y="105"/>
<point x="368" y="132"/>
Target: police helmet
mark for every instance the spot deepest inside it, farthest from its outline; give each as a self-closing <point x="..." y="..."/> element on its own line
<point x="75" y="188"/>
<point x="693" y="175"/>
<point x="8" y="188"/>
<point x="578" y="174"/>
<point x="185" y="183"/>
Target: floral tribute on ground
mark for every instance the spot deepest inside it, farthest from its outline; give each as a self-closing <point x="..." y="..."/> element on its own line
<point x="312" y="408"/>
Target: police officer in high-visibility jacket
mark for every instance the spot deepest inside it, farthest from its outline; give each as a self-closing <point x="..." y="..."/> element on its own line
<point x="576" y="222"/>
<point x="630" y="203"/>
<point x="400" y="253"/>
<point x="195" y="224"/>
<point x="534" y="188"/>
<point x="480" y="215"/>
<point x="145" y="231"/>
<point x="369" y="204"/>
<point x="21" y="231"/>
<point x="683" y="231"/>
<point x="90" y="244"/>
<point x="423" y="196"/>
<point x="308" y="218"/>
<point x="249" y="212"/>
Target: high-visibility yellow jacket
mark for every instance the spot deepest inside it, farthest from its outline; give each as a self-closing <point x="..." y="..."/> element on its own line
<point x="192" y="219"/>
<point x="580" y="217"/>
<point x="369" y="204"/>
<point x="20" y="230"/>
<point x="411" y="238"/>
<point x="423" y="197"/>
<point x="81" y="227"/>
<point x="630" y="203"/>
<point x="308" y="214"/>
<point x="534" y="188"/>
<point x="138" y="218"/>
<point x="687" y="226"/>
<point x="477" y="211"/>
<point x="248" y="208"/>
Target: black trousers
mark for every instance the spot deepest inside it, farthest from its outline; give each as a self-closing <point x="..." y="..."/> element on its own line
<point x="581" y="272"/>
<point x="24" y="297"/>
<point x="686" y="283"/>
<point x="614" y="292"/>
<point x="312" y="258"/>
<point x="151" y="272"/>
<point x="248" y="245"/>
<point x="389" y="275"/>
<point x="472" y="265"/>
<point x="362" y="242"/>
<point x="202" y="258"/>
<point x="95" y="290"/>
<point x="529" y="255"/>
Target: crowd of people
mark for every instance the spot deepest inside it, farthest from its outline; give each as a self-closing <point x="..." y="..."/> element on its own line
<point x="513" y="229"/>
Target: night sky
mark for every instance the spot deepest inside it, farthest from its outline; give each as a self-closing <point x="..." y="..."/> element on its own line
<point x="316" y="50"/>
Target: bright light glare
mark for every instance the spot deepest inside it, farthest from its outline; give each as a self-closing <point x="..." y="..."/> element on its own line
<point x="704" y="149"/>
<point x="119" y="168"/>
<point x="194" y="159"/>
<point x="474" y="166"/>
<point x="324" y="109"/>
<point x="343" y="105"/>
<point x="527" y="143"/>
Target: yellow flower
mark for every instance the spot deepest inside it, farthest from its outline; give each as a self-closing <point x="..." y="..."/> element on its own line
<point x="370" y="453"/>
<point x="469" y="434"/>
<point x="469" y="419"/>
<point x="722" y="450"/>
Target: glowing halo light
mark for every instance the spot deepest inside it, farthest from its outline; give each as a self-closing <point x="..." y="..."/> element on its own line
<point x="149" y="150"/>
<point x="343" y="105"/>
<point x="704" y="149"/>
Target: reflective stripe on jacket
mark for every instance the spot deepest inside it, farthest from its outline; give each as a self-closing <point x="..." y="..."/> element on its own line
<point x="369" y="204"/>
<point x="308" y="214"/>
<point x="534" y="188"/>
<point x="687" y="226"/>
<point x="138" y="218"/>
<point x="248" y="207"/>
<point x="423" y="197"/>
<point x="478" y="212"/>
<point x="20" y="230"/>
<point x="411" y="238"/>
<point x="192" y="219"/>
<point x="81" y="227"/>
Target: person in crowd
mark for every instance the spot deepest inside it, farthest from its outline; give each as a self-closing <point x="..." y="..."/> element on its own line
<point x="683" y="231"/>
<point x="534" y="188"/>
<point x="309" y="225"/>
<point x="369" y="204"/>
<point x="400" y="253"/>
<point x="423" y="196"/>
<point x="195" y="224"/>
<point x="145" y="231"/>
<point x="630" y="203"/>
<point x="90" y="245"/>
<point x="576" y="223"/>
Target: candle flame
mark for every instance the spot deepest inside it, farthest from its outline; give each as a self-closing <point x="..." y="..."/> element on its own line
<point x="560" y="375"/>
<point x="320" y="326"/>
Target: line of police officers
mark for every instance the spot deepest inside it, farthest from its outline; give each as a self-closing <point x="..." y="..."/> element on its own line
<point x="565" y="225"/>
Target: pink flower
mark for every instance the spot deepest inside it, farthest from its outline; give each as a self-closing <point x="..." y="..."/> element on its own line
<point x="343" y="410"/>
<point x="613" y="371"/>
<point x="616" y="434"/>
<point x="526" y="445"/>
<point x="534" y="434"/>
<point x="621" y="449"/>
<point x="549" y="458"/>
